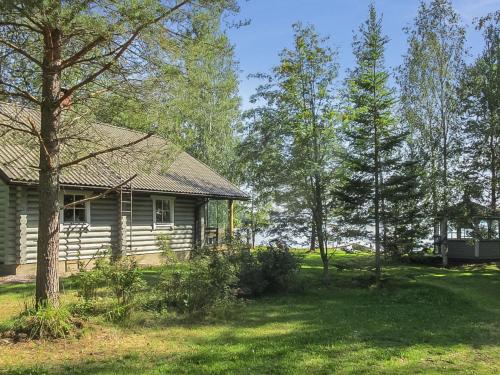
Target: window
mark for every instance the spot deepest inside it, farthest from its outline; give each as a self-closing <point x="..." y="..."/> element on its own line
<point x="75" y="214"/>
<point x="163" y="211"/>
<point x="467" y="232"/>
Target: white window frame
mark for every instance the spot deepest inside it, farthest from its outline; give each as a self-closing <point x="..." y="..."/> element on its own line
<point x="86" y="223"/>
<point x="172" y="212"/>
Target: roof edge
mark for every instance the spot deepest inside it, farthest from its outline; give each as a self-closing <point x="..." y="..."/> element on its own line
<point x="95" y="187"/>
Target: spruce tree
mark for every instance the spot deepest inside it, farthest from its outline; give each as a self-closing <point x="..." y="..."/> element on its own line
<point x="370" y="134"/>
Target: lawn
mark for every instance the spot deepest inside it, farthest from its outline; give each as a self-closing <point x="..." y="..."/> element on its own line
<point x="424" y="320"/>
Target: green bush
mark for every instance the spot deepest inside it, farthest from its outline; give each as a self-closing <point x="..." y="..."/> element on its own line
<point x="278" y="266"/>
<point x="210" y="279"/>
<point x="89" y="281"/>
<point x="48" y="322"/>
<point x="124" y="279"/>
<point x="121" y="278"/>
<point x="251" y="279"/>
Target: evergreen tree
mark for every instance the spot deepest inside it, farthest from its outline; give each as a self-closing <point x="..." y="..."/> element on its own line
<point x="370" y="134"/>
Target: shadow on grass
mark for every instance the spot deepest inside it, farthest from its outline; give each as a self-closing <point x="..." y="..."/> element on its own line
<point x="17" y="288"/>
<point x="322" y="331"/>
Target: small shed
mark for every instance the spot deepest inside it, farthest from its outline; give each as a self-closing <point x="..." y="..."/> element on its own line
<point x="472" y="232"/>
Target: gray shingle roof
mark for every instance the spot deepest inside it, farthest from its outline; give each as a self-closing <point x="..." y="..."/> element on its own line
<point x="160" y="166"/>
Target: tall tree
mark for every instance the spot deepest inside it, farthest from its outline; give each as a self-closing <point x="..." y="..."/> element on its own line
<point x="72" y="51"/>
<point x="193" y="93"/>
<point x="480" y="94"/>
<point x="371" y="136"/>
<point x="429" y="79"/>
<point x="291" y="135"/>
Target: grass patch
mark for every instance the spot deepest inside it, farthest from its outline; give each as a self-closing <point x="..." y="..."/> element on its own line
<point x="424" y="320"/>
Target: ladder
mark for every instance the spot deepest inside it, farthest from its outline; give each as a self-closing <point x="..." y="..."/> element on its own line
<point x="126" y="201"/>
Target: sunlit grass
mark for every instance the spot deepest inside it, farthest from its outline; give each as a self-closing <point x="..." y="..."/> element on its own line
<point x="424" y="320"/>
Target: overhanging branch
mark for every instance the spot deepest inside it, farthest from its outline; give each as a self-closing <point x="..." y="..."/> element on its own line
<point x="119" y="52"/>
<point x="105" y="151"/>
<point x="102" y="195"/>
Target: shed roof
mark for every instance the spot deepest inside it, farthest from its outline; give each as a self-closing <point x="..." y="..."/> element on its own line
<point x="160" y="166"/>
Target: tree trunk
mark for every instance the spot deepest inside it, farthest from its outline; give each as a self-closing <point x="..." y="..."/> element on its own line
<point x="377" y="210"/>
<point x="493" y="203"/>
<point x="318" y="222"/>
<point x="312" y="244"/>
<point x="47" y="276"/>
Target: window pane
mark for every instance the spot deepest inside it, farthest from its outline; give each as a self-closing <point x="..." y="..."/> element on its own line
<point x="467" y="232"/>
<point x="79" y="215"/>
<point x="79" y="198"/>
<point x="68" y="198"/>
<point x="162" y="211"/>
<point x="158" y="216"/>
<point x="68" y="215"/>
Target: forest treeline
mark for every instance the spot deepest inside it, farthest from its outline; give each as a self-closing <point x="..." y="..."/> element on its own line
<point x="385" y="154"/>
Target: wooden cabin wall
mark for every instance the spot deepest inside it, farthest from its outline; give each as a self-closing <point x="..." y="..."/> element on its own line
<point x="83" y="242"/>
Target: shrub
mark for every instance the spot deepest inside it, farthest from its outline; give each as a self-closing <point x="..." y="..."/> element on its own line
<point x="211" y="278"/>
<point x="168" y="254"/>
<point x="48" y="322"/>
<point x="251" y="280"/>
<point x="121" y="278"/>
<point x="89" y="281"/>
<point x="279" y="266"/>
<point x="124" y="279"/>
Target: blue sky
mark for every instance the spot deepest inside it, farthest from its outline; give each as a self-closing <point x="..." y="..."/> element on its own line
<point x="258" y="44"/>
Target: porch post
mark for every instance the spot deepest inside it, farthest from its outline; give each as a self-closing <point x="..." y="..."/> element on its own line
<point x="230" y="218"/>
<point x="476" y="238"/>
<point x="201" y="223"/>
<point x="121" y="245"/>
<point x="444" y="240"/>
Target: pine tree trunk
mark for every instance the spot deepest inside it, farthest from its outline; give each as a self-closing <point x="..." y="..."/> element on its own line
<point x="47" y="277"/>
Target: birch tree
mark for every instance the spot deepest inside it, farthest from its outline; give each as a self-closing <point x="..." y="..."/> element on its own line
<point x="428" y="81"/>
<point x="291" y="133"/>
<point x="480" y="96"/>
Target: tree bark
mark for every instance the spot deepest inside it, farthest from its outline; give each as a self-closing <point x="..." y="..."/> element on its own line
<point x="312" y="243"/>
<point x="493" y="202"/>
<point x="47" y="276"/>
<point x="318" y="221"/>
<point x="377" y="209"/>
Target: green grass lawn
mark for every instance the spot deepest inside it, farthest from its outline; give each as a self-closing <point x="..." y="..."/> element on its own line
<point x="424" y="320"/>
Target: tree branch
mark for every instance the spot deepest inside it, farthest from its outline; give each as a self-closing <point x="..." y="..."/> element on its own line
<point x="20" y="51"/>
<point x="105" y="151"/>
<point x="17" y="24"/>
<point x="102" y="195"/>
<point x="20" y="93"/>
<point x="120" y="51"/>
<point x="75" y="58"/>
